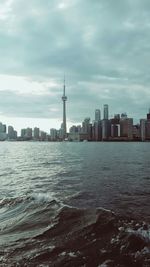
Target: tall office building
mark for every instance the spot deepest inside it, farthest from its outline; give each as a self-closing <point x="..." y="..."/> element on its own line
<point x="3" y="134"/>
<point x="97" y="130"/>
<point x="115" y="130"/>
<point x="115" y="126"/>
<point x="97" y="115"/>
<point x="143" y="129"/>
<point x="106" y="129"/>
<point x="105" y="124"/>
<point x="28" y="133"/>
<point x="126" y="128"/>
<point x="106" y="115"/>
<point x="87" y="128"/>
<point x="147" y="129"/>
<point x="86" y="125"/>
<point x="148" y="115"/>
<point x="53" y="134"/>
<point x="64" y="99"/>
<point x="36" y="133"/>
<point x="23" y="133"/>
<point x="4" y="128"/>
<point x="12" y="134"/>
<point x="43" y="136"/>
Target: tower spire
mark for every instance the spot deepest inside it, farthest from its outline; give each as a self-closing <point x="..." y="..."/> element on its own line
<point x="64" y="99"/>
<point x="64" y="85"/>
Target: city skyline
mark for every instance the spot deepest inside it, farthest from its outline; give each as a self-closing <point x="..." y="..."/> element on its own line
<point x="101" y="115"/>
<point x="101" y="46"/>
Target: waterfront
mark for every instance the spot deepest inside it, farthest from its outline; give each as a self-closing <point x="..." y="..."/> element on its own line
<point x="39" y="180"/>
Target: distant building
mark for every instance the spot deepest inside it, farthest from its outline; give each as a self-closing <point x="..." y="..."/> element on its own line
<point x="87" y="128"/>
<point x="116" y="119"/>
<point x="97" y="131"/>
<point x="124" y="116"/>
<point x="75" y="133"/>
<point x="115" y="130"/>
<point x="136" y="132"/>
<point x="23" y="133"/>
<point x="43" y="136"/>
<point x="12" y="134"/>
<point x="3" y="135"/>
<point x="106" y="129"/>
<point x="75" y="129"/>
<point x="36" y="133"/>
<point x="106" y="112"/>
<point x="115" y="126"/>
<point x="60" y="133"/>
<point x="143" y="129"/>
<point x="53" y="134"/>
<point x="28" y="134"/>
<point x="97" y="115"/>
<point x="4" y="128"/>
<point x="79" y="128"/>
<point x="85" y="125"/>
<point x="1" y="127"/>
<point x="15" y="135"/>
<point x="147" y="129"/>
<point x="148" y="115"/>
<point x="126" y="128"/>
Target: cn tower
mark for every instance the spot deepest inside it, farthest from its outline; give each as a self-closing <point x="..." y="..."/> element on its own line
<point x="64" y="99"/>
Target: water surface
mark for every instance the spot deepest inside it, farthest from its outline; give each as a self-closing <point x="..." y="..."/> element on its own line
<point x="39" y="179"/>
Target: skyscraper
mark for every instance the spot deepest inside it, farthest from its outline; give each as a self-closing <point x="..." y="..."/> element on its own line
<point x="148" y="115"/>
<point x="64" y="99"/>
<point x="12" y="134"/>
<point x="143" y="129"/>
<point x="106" y="129"/>
<point x="126" y="128"/>
<point x="97" y="115"/>
<point x="97" y="129"/>
<point x="36" y="133"/>
<point x="106" y="112"/>
<point x="3" y="134"/>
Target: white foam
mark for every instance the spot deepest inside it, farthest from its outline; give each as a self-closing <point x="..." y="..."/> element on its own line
<point x="144" y="233"/>
<point x="72" y="254"/>
<point x="43" y="197"/>
<point x="141" y="232"/>
<point x="105" y="263"/>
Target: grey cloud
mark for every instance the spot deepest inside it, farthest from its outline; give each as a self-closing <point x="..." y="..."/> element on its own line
<point x="104" y="44"/>
<point x="37" y="106"/>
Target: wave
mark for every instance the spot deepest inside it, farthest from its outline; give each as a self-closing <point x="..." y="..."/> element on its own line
<point x="13" y="201"/>
<point x="35" y="197"/>
<point x="81" y="237"/>
<point x="24" y="217"/>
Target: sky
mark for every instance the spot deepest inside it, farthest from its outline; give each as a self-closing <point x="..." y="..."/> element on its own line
<point x="102" y="47"/>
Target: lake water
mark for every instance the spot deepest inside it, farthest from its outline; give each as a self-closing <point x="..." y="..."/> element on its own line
<point x="52" y="190"/>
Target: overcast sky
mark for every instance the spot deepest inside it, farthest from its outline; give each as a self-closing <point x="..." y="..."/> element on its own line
<point x="102" y="46"/>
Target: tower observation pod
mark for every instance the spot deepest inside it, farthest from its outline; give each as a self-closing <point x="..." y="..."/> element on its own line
<point x="64" y="99"/>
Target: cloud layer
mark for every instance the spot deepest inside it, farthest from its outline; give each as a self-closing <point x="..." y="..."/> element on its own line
<point x="102" y="46"/>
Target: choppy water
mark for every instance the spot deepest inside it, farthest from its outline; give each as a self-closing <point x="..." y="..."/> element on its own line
<point x="54" y="202"/>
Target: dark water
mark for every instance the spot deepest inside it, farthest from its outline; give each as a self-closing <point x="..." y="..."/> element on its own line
<point x="74" y="204"/>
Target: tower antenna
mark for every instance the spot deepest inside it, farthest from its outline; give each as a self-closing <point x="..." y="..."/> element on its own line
<point x="64" y="99"/>
<point x="64" y="85"/>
